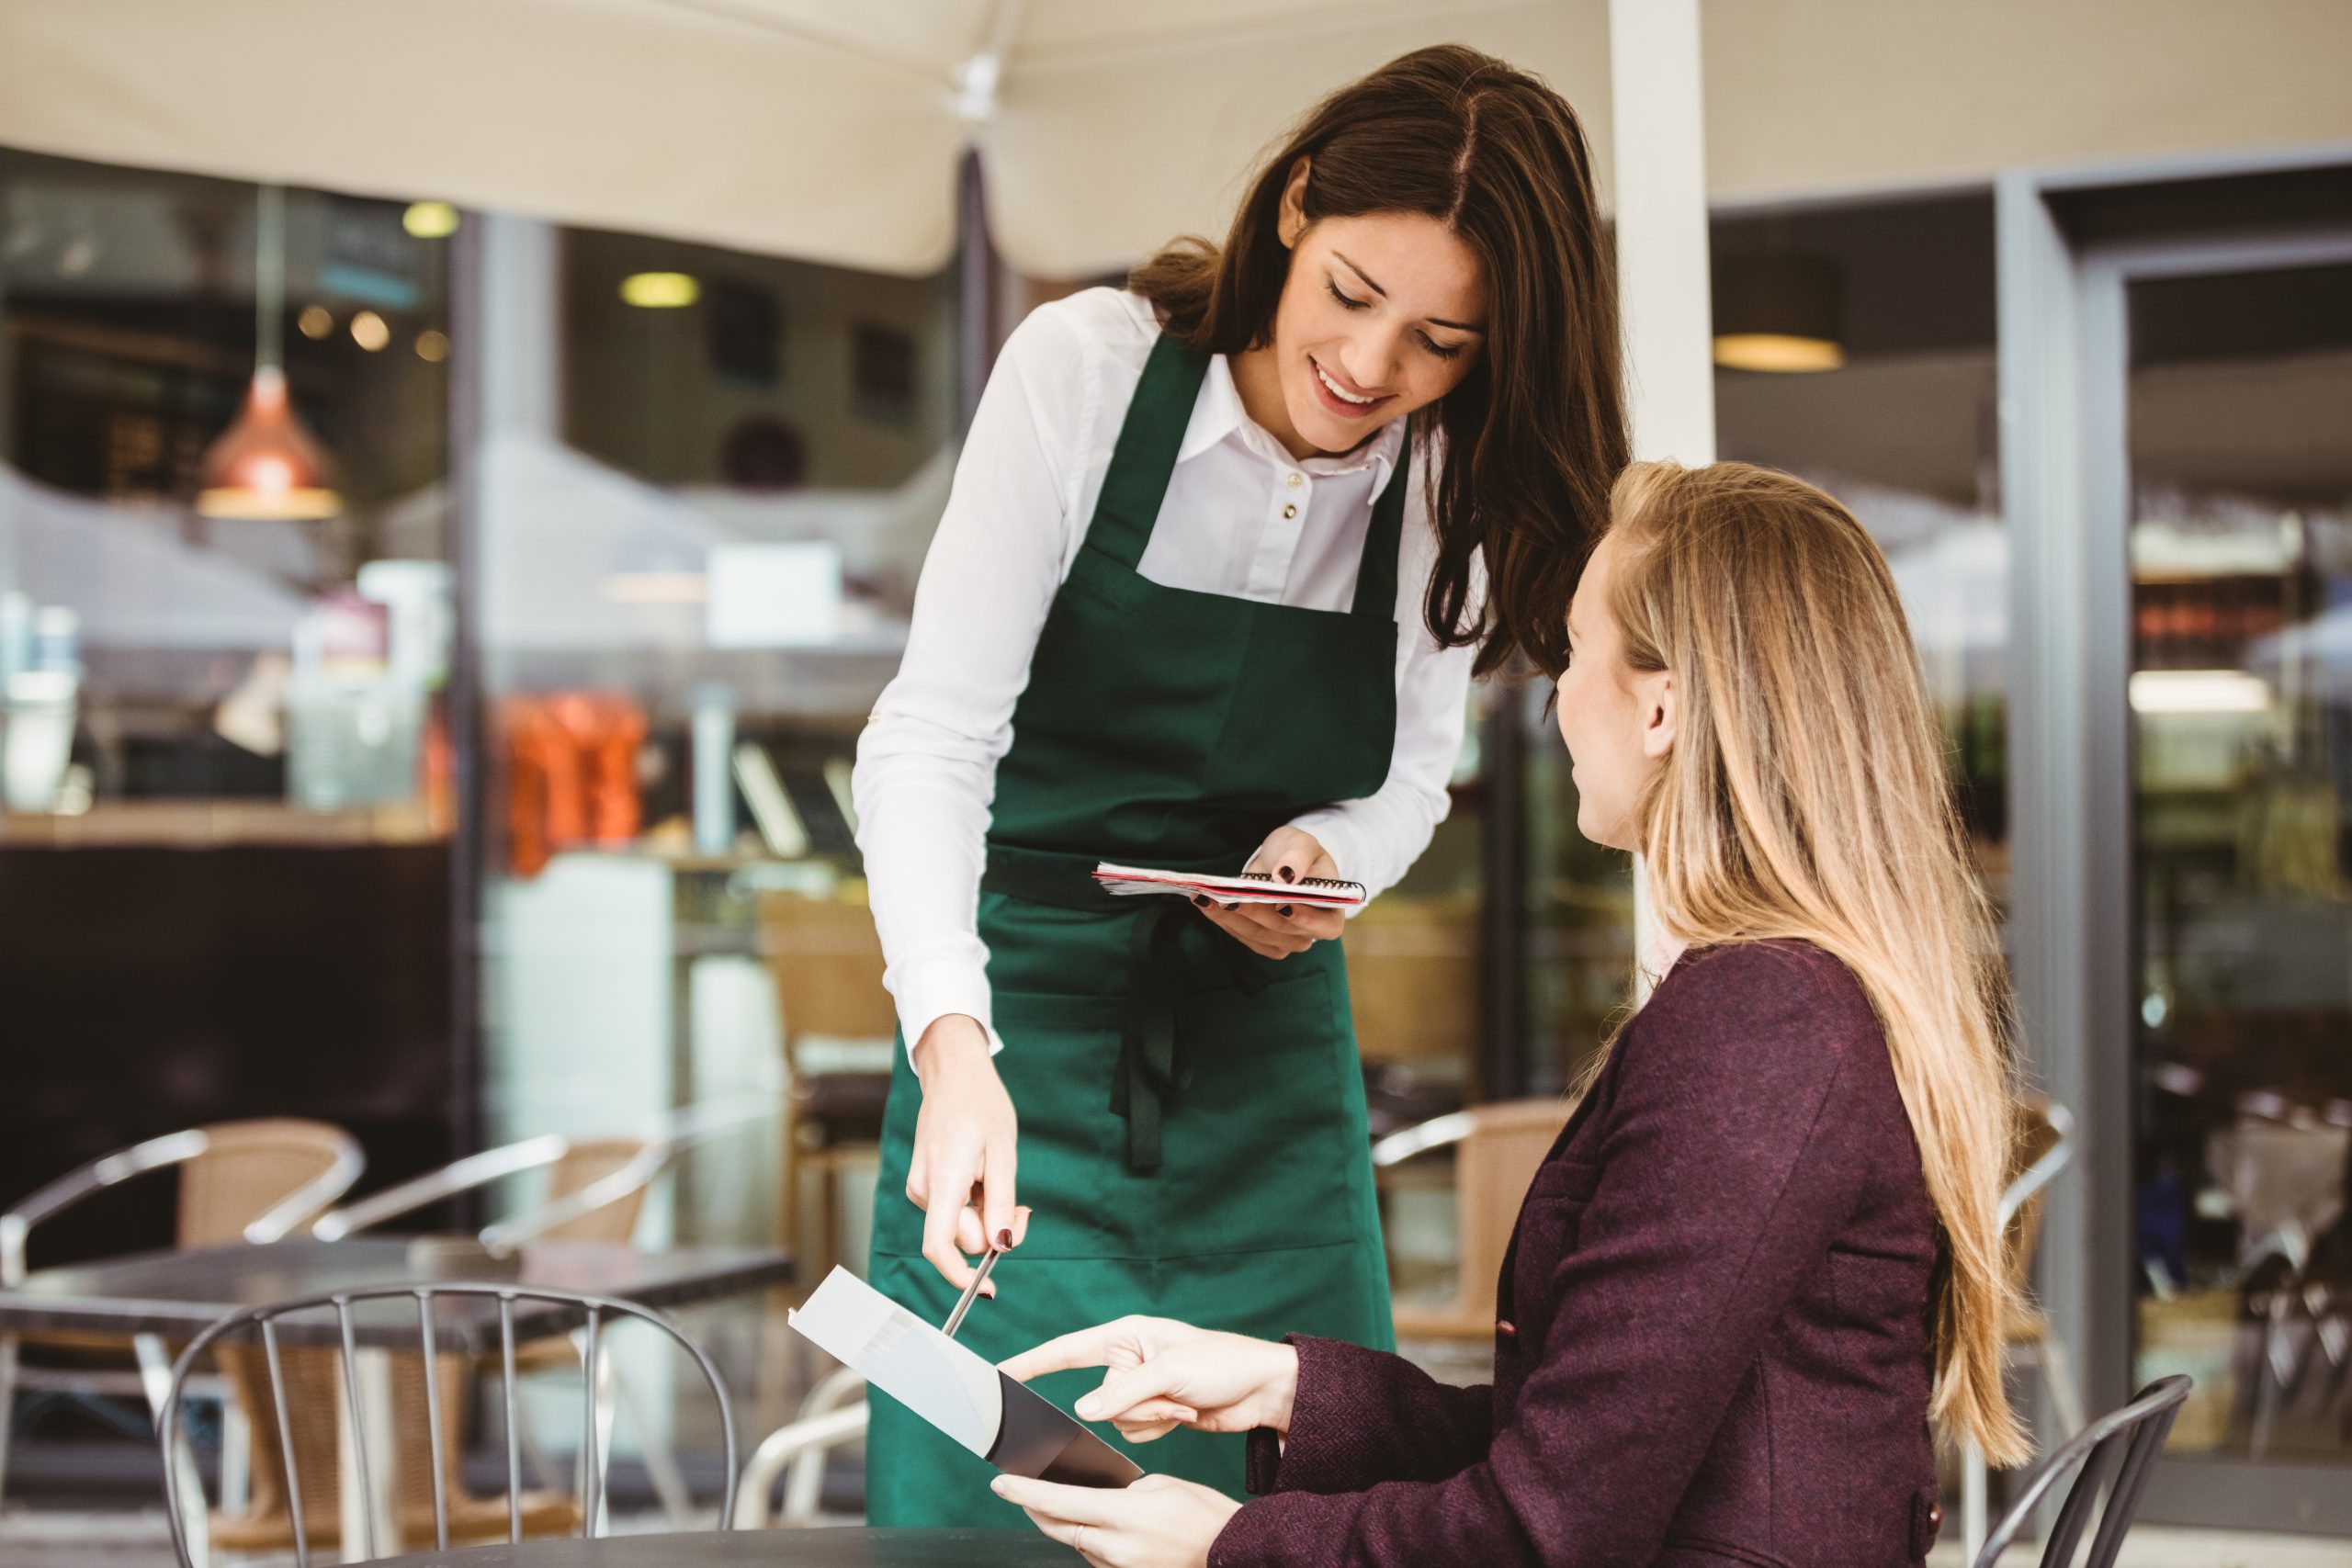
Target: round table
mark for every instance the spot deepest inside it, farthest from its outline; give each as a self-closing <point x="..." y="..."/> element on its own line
<point x="844" y="1548"/>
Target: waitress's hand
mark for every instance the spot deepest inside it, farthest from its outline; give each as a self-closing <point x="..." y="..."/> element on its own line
<point x="961" y="1175"/>
<point x="1158" y="1522"/>
<point x="1165" y="1374"/>
<point x="1288" y="855"/>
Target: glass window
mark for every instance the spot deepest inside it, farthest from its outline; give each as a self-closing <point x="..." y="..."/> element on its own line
<point x="706" y="509"/>
<point x="1884" y="394"/>
<point x="2240" y="427"/>
<point x="188" y="654"/>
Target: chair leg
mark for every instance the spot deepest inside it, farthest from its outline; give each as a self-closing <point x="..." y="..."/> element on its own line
<point x="606" y="1376"/>
<point x="8" y="1406"/>
<point x="155" y="1379"/>
<point x="1973" y="1521"/>
<point x="236" y="1456"/>
<point x="661" y="1464"/>
<point x="2066" y="1398"/>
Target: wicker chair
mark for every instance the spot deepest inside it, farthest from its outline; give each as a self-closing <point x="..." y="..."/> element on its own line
<point x="238" y="1181"/>
<point x="1500" y="1147"/>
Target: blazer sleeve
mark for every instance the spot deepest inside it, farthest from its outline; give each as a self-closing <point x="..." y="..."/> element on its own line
<point x="1726" y="1170"/>
<point x="1364" y="1416"/>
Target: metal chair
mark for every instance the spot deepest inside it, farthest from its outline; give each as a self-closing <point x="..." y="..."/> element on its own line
<point x="265" y="1322"/>
<point x="2043" y="1146"/>
<point x="596" y="1190"/>
<point x="240" y="1182"/>
<point x="2114" y="1453"/>
<point x="1502" y="1144"/>
<point x="834" y="1413"/>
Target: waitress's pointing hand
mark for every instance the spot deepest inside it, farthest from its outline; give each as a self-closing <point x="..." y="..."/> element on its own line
<point x="1288" y="854"/>
<point x="962" y="1173"/>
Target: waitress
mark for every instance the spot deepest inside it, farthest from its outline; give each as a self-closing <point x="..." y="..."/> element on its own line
<point x="1207" y="595"/>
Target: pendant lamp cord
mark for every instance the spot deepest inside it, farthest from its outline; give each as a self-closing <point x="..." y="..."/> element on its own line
<point x="269" y="279"/>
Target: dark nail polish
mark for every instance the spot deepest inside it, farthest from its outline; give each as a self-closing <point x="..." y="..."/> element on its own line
<point x="1283" y="911"/>
<point x="1201" y="900"/>
<point x="1289" y="875"/>
<point x="1231" y="907"/>
<point x="1004" y="1241"/>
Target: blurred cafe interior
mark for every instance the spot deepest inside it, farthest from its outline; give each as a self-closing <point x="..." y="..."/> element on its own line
<point x="487" y="780"/>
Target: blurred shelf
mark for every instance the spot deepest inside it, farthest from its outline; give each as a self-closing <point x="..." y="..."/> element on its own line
<point x="216" y="824"/>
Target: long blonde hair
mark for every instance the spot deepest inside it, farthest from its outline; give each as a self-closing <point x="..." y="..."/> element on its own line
<point x="1806" y="796"/>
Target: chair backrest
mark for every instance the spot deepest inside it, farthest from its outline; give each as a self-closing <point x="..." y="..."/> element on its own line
<point x="594" y="1312"/>
<point x="586" y="1161"/>
<point x="1498" y="1158"/>
<point x="2114" y="1453"/>
<point x="277" y="1175"/>
<point x="826" y="961"/>
<point x="2041" y="1145"/>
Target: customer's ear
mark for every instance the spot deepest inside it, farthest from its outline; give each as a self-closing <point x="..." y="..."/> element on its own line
<point x="1658" y="708"/>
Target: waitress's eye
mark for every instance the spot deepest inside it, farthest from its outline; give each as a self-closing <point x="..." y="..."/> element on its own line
<point x="1343" y="299"/>
<point x="1443" y="350"/>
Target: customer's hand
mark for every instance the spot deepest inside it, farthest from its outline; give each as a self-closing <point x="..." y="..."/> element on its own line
<point x="1164" y="1375"/>
<point x="1288" y="855"/>
<point x="1158" y="1522"/>
<point x="962" y="1173"/>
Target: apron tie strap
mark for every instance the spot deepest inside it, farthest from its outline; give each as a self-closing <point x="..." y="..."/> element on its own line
<point x="1153" y="1067"/>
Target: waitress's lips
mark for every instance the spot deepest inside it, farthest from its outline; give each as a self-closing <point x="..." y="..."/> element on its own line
<point x="1340" y="395"/>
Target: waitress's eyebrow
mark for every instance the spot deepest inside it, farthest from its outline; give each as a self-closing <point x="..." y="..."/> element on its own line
<point x="1433" y="321"/>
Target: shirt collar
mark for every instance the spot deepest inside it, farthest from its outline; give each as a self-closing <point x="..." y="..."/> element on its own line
<point x="1217" y="415"/>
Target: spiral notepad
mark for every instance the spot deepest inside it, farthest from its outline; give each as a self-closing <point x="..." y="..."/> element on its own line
<point x="1250" y="888"/>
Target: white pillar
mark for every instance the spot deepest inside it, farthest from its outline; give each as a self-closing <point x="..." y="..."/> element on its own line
<point x="522" y="327"/>
<point x="1658" y="123"/>
<point x="1659" y="128"/>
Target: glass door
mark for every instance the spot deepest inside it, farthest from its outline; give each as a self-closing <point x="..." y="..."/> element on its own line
<point x="2237" y="405"/>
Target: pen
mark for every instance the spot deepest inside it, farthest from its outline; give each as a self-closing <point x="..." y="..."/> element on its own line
<point x="971" y="1292"/>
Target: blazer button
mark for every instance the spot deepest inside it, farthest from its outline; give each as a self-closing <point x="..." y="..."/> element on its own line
<point x="1936" y="1515"/>
<point x="1506" y="1329"/>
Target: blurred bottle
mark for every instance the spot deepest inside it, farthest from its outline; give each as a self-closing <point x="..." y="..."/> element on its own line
<point x="41" y="653"/>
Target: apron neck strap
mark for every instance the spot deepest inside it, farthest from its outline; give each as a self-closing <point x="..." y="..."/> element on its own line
<point x="1145" y="456"/>
<point x="1377" y="572"/>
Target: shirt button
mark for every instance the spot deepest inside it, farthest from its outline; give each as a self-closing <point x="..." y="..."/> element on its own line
<point x="1289" y="512"/>
<point x="1295" y="479"/>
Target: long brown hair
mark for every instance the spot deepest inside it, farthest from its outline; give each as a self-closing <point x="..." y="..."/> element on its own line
<point x="1536" y="431"/>
<point x="1806" y="796"/>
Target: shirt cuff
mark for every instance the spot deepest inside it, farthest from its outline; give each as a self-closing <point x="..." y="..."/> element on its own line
<point x="929" y="992"/>
<point x="1342" y="839"/>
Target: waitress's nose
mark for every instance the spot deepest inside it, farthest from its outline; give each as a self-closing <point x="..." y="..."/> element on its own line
<point x="1369" y="359"/>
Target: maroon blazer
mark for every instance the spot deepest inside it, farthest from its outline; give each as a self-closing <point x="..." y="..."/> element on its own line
<point x="1711" y="1345"/>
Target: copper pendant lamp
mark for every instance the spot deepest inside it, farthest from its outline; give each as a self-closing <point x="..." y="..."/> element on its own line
<point x="266" y="467"/>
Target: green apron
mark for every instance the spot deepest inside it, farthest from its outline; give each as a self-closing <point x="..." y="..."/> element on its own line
<point x="1192" y="1136"/>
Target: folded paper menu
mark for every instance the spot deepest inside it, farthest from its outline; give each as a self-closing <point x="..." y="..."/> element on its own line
<point x="1250" y="888"/>
<point x="1009" y="1426"/>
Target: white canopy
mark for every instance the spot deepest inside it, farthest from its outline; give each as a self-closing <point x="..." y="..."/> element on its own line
<point x="832" y="130"/>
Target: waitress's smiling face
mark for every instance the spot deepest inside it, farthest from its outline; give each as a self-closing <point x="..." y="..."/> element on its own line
<point x="1383" y="313"/>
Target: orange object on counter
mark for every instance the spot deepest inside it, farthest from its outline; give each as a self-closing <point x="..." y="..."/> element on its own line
<point x="571" y="774"/>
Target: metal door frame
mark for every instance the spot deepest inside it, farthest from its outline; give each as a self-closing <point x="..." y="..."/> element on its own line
<point x="2066" y="497"/>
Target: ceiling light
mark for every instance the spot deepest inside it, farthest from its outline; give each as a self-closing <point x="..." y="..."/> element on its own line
<point x="368" y="331"/>
<point x="1778" y="312"/>
<point x="660" y="290"/>
<point x="266" y="466"/>
<point x="431" y="345"/>
<point x="2198" y="691"/>
<point x="316" y="321"/>
<point x="656" y="588"/>
<point x="430" y="220"/>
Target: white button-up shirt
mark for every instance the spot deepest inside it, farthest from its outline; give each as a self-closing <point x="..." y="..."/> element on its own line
<point x="1242" y="517"/>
